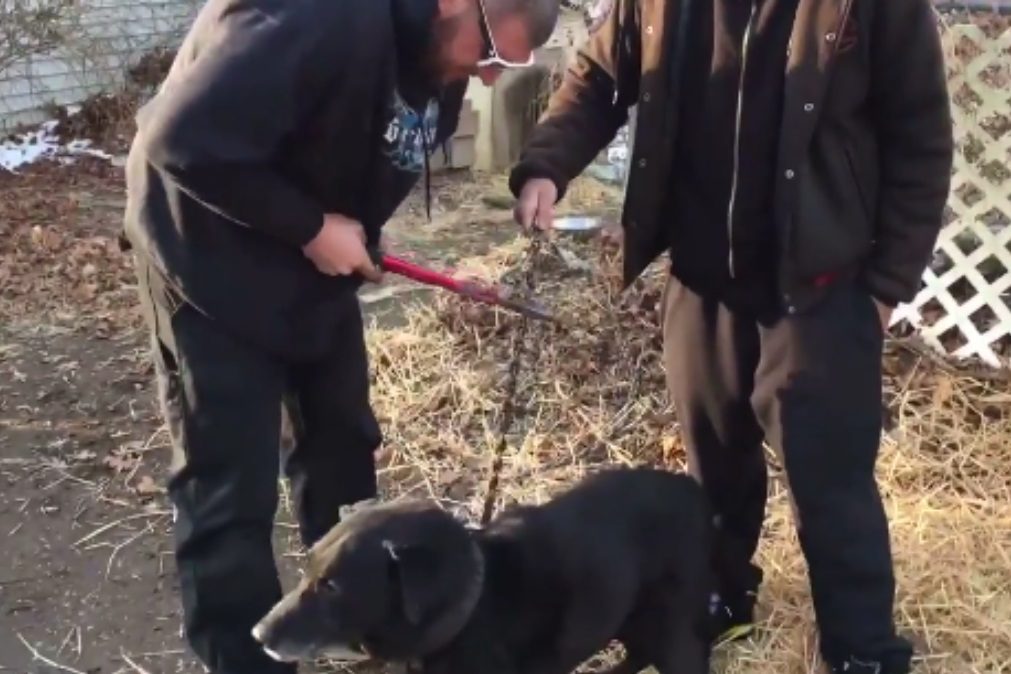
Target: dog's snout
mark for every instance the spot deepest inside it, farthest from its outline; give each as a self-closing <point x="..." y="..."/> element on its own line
<point x="286" y="633"/>
<point x="261" y="636"/>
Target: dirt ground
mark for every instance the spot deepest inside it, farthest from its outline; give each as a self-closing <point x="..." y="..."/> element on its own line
<point x="87" y="582"/>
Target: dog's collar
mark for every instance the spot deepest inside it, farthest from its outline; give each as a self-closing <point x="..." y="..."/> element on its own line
<point x="446" y="628"/>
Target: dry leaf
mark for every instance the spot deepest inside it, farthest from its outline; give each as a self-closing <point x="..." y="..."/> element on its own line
<point x="83" y="455"/>
<point x="121" y="463"/>
<point x="943" y="391"/>
<point x="146" y="486"/>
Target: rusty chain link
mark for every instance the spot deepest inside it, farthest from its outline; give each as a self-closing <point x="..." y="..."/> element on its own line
<point x="512" y="381"/>
<point x="619" y="425"/>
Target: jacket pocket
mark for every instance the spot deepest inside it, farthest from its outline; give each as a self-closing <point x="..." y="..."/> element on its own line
<point x="855" y="177"/>
<point x="867" y="306"/>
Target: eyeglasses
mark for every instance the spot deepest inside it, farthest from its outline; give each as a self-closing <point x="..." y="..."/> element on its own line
<point x="492" y="57"/>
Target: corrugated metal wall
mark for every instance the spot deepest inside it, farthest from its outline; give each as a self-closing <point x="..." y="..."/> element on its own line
<point x="104" y="37"/>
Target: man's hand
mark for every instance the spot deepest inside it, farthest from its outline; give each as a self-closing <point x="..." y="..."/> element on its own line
<point x="536" y="205"/>
<point x="884" y="313"/>
<point x="339" y="249"/>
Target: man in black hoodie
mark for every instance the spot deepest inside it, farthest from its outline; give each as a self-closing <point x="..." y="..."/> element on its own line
<point x="285" y="135"/>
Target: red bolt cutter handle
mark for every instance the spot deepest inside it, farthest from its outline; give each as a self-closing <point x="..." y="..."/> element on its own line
<point x="409" y="270"/>
<point x="469" y="289"/>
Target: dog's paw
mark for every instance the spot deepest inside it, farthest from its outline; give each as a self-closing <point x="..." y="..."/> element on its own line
<point x="350" y="509"/>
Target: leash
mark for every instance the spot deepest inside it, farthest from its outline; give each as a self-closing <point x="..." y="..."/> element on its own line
<point x="509" y="404"/>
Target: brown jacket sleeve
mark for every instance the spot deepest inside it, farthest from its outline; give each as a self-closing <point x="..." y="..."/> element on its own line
<point x="910" y="104"/>
<point x="587" y="110"/>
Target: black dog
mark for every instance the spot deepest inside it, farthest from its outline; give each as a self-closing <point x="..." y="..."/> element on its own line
<point x="623" y="555"/>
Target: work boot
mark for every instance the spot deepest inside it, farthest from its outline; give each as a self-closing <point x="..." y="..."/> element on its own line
<point x="897" y="660"/>
<point x="855" y="666"/>
<point x="732" y="618"/>
<point x="732" y="607"/>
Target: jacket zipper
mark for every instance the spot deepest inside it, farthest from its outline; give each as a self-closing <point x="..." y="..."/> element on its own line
<point x="737" y="138"/>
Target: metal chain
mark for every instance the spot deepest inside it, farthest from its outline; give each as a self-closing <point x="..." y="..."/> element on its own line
<point x="512" y="381"/>
<point x="619" y="426"/>
<point x="627" y="356"/>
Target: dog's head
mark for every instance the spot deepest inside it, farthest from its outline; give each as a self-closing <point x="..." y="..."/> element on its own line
<point x="391" y="581"/>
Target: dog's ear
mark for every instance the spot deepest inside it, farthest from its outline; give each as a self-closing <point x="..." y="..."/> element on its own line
<point x="415" y="569"/>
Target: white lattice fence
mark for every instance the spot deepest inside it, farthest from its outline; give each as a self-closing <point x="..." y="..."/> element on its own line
<point x="964" y="307"/>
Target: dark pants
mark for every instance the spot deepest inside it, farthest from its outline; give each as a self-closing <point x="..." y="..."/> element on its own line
<point x="811" y="386"/>
<point x="222" y="400"/>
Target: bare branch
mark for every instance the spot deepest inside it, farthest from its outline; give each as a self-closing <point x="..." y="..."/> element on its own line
<point x="34" y="27"/>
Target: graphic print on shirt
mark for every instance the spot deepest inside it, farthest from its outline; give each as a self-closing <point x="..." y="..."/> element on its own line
<point x="405" y="138"/>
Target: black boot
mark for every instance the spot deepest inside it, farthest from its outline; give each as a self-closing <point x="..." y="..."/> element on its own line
<point x="732" y="606"/>
<point x="732" y="619"/>
<point x="897" y="660"/>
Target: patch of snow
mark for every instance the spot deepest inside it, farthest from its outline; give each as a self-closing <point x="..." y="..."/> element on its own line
<point x="611" y="165"/>
<point x="617" y="153"/>
<point x="22" y="149"/>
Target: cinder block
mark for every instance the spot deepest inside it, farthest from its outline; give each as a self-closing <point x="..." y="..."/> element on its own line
<point x="463" y="152"/>
<point x="460" y="153"/>
<point x="468" y="122"/>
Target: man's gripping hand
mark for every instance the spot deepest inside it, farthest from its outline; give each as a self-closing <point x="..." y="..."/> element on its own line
<point x="339" y="249"/>
<point x="536" y="204"/>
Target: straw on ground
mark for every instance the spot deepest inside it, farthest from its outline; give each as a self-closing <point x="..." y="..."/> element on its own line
<point x="595" y="396"/>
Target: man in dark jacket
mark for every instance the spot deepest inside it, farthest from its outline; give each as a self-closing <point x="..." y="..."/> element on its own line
<point x="285" y="135"/>
<point x="793" y="156"/>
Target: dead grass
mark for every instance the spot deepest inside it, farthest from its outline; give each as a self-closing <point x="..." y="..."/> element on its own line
<point x="596" y="397"/>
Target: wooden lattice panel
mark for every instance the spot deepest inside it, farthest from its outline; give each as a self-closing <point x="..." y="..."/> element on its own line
<point x="964" y="307"/>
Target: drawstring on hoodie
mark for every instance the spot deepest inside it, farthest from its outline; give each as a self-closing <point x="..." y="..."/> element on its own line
<point x="412" y="25"/>
<point x="428" y="172"/>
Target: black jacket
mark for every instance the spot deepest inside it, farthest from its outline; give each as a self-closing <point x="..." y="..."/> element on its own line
<point x="863" y="160"/>
<point x="722" y="237"/>
<point x="274" y="113"/>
